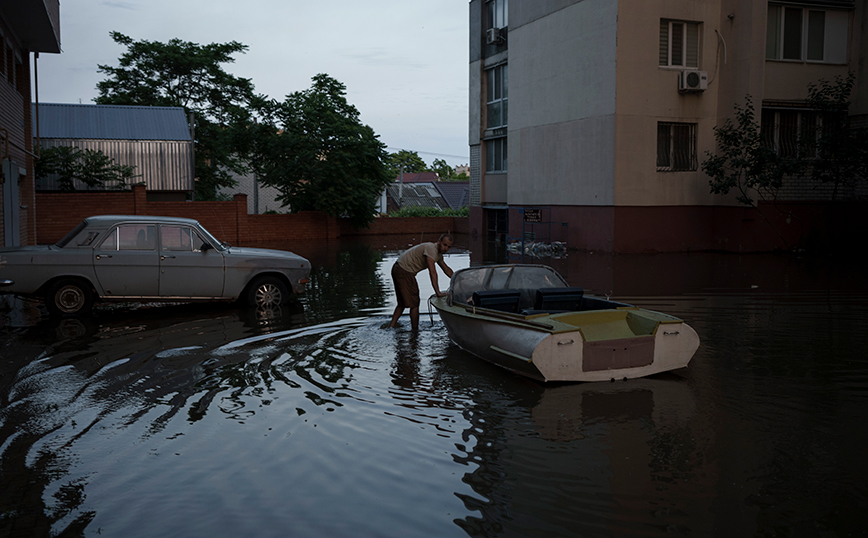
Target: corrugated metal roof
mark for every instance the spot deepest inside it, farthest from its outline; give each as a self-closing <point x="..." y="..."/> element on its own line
<point x="111" y="122"/>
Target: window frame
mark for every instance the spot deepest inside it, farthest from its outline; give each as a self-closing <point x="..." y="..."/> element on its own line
<point x="779" y="44"/>
<point x="672" y="148"/>
<point x="192" y="237"/>
<point x="496" y="162"/>
<point x="776" y="139"/>
<point x="493" y="101"/>
<point x="685" y="51"/>
<point x="130" y="241"/>
<point x="497" y="12"/>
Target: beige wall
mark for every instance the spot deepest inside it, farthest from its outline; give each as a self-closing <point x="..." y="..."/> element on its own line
<point x="647" y="94"/>
<point x="733" y="53"/>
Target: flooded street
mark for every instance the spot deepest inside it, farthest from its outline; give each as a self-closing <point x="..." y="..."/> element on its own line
<point x="219" y="421"/>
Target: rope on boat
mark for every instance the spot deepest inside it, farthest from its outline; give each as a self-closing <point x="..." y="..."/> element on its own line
<point x="430" y="314"/>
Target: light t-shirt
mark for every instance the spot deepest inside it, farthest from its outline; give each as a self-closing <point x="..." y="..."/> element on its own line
<point x="413" y="260"/>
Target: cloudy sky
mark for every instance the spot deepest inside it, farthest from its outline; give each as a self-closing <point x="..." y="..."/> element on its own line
<point x="404" y="62"/>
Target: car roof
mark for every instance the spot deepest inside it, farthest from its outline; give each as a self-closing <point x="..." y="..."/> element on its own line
<point x="111" y="219"/>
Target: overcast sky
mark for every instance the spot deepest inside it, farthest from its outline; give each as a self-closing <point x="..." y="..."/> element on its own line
<point x="404" y="62"/>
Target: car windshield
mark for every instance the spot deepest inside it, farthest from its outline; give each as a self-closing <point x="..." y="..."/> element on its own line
<point x="219" y="245"/>
<point x="74" y="232"/>
<point x="526" y="278"/>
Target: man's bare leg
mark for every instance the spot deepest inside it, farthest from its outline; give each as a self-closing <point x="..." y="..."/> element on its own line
<point x="414" y="318"/>
<point x="396" y="315"/>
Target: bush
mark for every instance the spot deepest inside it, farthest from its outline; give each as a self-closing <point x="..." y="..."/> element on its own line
<point x="424" y="211"/>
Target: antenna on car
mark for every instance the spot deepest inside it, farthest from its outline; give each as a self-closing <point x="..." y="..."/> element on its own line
<point x="220" y="223"/>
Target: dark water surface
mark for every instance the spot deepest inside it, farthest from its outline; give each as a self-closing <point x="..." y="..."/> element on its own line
<point x="216" y="421"/>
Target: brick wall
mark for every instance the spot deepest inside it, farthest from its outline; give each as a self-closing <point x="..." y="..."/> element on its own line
<point x="805" y="189"/>
<point x="295" y="227"/>
<point x="404" y="225"/>
<point x="57" y="213"/>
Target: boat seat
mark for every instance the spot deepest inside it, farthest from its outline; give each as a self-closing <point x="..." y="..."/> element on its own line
<point x="503" y="300"/>
<point x="552" y="300"/>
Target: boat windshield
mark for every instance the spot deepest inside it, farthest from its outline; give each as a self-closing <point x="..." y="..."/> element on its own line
<point x="525" y="278"/>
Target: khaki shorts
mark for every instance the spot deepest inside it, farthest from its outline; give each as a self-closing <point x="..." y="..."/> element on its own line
<point x="406" y="287"/>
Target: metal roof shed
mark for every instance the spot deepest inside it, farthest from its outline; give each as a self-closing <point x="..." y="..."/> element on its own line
<point x="156" y="140"/>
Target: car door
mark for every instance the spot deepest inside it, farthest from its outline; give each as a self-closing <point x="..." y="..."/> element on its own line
<point x="187" y="269"/>
<point x="126" y="261"/>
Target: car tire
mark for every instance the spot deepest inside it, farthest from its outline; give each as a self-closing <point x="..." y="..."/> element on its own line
<point x="267" y="291"/>
<point x="69" y="297"/>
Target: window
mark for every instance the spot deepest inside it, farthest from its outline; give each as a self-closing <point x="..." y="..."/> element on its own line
<point x="179" y="238"/>
<point x="496" y="97"/>
<point x="679" y="43"/>
<point x="88" y="239"/>
<point x="807" y="34"/>
<point x="498" y="13"/>
<point x="495" y="155"/>
<point x="790" y="133"/>
<point x="676" y="147"/>
<point x="130" y="237"/>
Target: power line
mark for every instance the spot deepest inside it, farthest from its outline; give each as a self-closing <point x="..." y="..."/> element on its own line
<point x="428" y="152"/>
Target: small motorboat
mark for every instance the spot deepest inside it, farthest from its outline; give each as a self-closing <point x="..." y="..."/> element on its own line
<point x="526" y="318"/>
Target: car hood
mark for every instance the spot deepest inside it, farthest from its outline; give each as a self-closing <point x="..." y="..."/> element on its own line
<point x="247" y="252"/>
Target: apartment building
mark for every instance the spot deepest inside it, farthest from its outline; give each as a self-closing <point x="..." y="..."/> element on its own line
<point x="26" y="26"/>
<point x="597" y="114"/>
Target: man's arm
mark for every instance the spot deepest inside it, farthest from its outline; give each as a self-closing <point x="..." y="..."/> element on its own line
<point x="432" y="271"/>
<point x="446" y="268"/>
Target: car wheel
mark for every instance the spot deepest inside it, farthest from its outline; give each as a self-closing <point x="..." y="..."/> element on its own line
<point x="69" y="297"/>
<point x="267" y="291"/>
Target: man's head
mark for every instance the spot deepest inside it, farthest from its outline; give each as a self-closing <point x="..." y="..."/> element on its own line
<point x="445" y="243"/>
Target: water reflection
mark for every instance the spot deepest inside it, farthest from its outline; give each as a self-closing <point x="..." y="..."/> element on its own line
<point x="309" y="421"/>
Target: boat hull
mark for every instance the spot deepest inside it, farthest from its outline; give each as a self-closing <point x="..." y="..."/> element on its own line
<point x="599" y="346"/>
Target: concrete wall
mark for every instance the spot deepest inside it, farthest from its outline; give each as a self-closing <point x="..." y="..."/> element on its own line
<point x="561" y="132"/>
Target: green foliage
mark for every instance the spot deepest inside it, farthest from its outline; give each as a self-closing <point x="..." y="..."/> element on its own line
<point x="409" y="159"/>
<point x="743" y="163"/>
<point x="443" y="169"/>
<point x="314" y="149"/>
<point x="425" y="211"/>
<point x="91" y="167"/>
<point x="189" y="75"/>
<point x="841" y="150"/>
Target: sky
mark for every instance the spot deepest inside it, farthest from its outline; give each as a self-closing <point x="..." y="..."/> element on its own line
<point x="404" y="62"/>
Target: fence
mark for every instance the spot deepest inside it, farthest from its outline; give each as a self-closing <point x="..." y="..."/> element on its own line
<point x="58" y="213"/>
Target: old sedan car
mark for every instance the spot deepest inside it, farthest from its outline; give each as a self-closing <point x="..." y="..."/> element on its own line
<point x="139" y="258"/>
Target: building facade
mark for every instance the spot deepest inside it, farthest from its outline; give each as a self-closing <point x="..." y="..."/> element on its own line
<point x="597" y="114"/>
<point x="26" y="26"/>
<point x="156" y="141"/>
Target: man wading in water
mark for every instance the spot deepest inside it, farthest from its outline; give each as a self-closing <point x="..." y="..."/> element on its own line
<point x="423" y="255"/>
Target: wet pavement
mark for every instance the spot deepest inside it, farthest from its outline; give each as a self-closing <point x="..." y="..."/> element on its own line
<point x="213" y="420"/>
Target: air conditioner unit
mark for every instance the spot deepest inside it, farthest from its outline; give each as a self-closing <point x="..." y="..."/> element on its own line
<point x="492" y="35"/>
<point x="691" y="80"/>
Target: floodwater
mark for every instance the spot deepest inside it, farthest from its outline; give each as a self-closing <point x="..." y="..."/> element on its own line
<point x="217" y="421"/>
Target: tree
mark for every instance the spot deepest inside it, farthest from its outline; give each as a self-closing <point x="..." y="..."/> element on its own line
<point x="746" y="164"/>
<point x="841" y="151"/>
<point x="410" y="160"/>
<point x="442" y="168"/>
<point x="91" y="167"/>
<point x="185" y="74"/>
<point x="743" y="162"/>
<point x="313" y="148"/>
